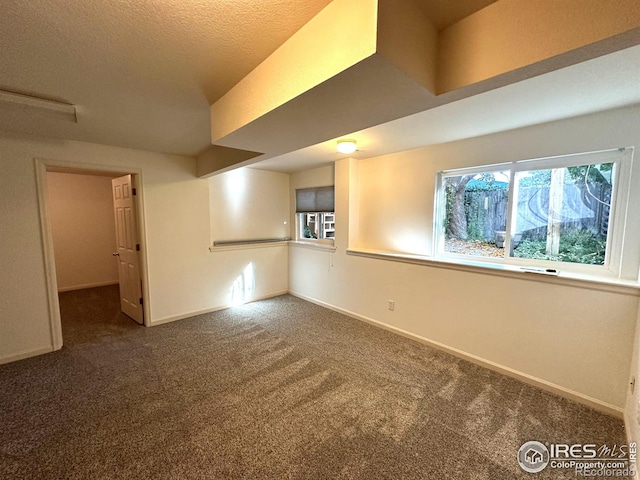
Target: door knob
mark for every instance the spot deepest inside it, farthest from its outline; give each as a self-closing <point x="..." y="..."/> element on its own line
<point x="115" y="254"/>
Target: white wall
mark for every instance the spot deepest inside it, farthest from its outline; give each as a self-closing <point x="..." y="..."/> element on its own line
<point x="577" y="340"/>
<point x="83" y="230"/>
<point x="184" y="277"/>
<point x="632" y="406"/>
<point x="249" y="204"/>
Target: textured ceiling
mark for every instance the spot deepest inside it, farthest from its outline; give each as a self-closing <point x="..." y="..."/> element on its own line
<point x="142" y="73"/>
<point x="444" y="13"/>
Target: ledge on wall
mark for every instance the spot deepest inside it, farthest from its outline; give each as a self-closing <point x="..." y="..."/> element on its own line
<point x="221" y="246"/>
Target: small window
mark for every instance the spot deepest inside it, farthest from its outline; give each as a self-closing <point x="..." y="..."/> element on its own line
<point x="315" y="217"/>
<point x="533" y="212"/>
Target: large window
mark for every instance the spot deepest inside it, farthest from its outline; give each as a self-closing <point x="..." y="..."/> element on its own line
<point x="547" y="212"/>
<point x="315" y="217"/>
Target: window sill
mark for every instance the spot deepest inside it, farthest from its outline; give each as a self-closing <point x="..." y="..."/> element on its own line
<point x="318" y="245"/>
<point x="627" y="287"/>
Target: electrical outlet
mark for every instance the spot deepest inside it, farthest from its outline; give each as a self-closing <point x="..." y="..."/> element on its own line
<point x="392" y="305"/>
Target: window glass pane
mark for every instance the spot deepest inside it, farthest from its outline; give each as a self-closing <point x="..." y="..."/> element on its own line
<point x="562" y="214"/>
<point x="476" y="213"/>
<point x="328" y="225"/>
<point x="308" y="224"/>
<point x="317" y="225"/>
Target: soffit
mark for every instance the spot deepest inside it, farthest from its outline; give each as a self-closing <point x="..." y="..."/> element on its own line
<point x="604" y="83"/>
<point x="413" y="68"/>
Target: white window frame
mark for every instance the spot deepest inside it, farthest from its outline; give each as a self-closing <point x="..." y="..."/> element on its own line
<point x="621" y="178"/>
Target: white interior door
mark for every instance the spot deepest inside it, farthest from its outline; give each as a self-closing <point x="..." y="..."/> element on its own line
<point x="128" y="247"/>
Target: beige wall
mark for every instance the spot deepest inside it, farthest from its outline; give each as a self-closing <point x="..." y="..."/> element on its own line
<point x="632" y="406"/>
<point x="249" y="204"/>
<point x="83" y="230"/>
<point x="184" y="277"/>
<point x="578" y="340"/>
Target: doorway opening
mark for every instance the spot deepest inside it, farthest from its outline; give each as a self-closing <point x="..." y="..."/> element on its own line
<point x="94" y="238"/>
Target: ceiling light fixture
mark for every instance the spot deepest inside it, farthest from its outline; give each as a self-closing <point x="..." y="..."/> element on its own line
<point x="65" y="109"/>
<point x="347" y="146"/>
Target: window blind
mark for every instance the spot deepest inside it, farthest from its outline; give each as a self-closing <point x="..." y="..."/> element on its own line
<point x="312" y="200"/>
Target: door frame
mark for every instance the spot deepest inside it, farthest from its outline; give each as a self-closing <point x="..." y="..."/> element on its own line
<point x="42" y="166"/>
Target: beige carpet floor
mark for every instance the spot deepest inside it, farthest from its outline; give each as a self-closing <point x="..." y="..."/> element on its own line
<point x="276" y="389"/>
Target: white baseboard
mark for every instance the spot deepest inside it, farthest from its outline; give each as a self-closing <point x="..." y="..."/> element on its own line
<point x="590" y="402"/>
<point x="14" y="357"/>
<point x="174" y="318"/>
<point x="88" y="285"/>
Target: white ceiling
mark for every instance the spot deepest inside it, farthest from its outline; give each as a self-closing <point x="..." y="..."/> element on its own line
<point x="143" y="74"/>
<point x="603" y="83"/>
